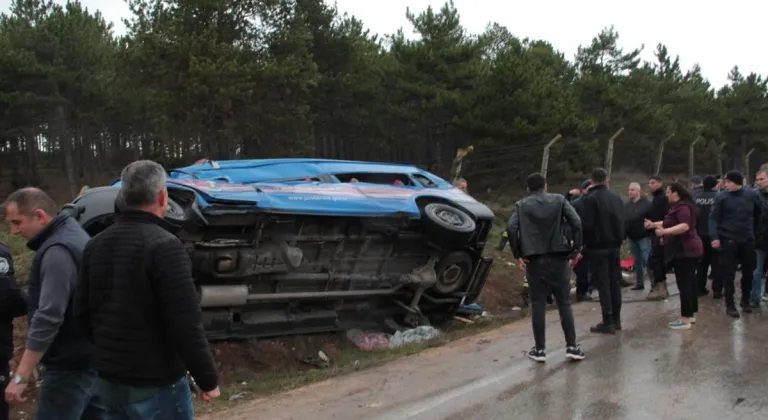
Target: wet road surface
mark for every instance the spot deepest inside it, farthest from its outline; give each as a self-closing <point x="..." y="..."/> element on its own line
<point x="716" y="370"/>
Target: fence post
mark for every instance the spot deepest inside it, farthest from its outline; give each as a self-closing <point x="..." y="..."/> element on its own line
<point x="720" y="160"/>
<point x="690" y="157"/>
<point x="747" y="173"/>
<point x="661" y="152"/>
<point x="609" y="153"/>
<point x="545" y="155"/>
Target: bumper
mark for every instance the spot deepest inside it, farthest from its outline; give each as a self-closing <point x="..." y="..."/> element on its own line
<point x="477" y="282"/>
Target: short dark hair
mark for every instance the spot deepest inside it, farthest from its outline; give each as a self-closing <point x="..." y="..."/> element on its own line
<point x="599" y="175"/>
<point x="656" y="178"/>
<point x="682" y="192"/>
<point x="535" y="181"/>
<point x="29" y="199"/>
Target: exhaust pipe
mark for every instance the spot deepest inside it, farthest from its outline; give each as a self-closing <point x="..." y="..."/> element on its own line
<point x="223" y="296"/>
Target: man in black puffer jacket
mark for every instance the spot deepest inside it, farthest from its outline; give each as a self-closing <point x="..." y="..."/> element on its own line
<point x="138" y="303"/>
<point x="659" y="208"/>
<point x="603" y="223"/>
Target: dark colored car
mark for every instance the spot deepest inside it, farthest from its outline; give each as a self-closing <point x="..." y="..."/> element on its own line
<point x="292" y="246"/>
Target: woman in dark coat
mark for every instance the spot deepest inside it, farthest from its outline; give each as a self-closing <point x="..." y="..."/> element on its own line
<point x="682" y="250"/>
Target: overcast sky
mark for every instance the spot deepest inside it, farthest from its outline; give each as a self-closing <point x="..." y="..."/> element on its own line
<point x="716" y="34"/>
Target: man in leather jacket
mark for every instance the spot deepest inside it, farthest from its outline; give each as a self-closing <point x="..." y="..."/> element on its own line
<point x="539" y="240"/>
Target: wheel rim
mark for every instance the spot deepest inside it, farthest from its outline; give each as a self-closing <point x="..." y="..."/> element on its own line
<point x="449" y="217"/>
<point x="452" y="274"/>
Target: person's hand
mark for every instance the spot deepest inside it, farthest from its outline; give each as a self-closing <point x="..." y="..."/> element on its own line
<point x="575" y="259"/>
<point x="15" y="393"/>
<point x="523" y="262"/>
<point x="207" y="396"/>
<point x="716" y="244"/>
<point x="659" y="232"/>
<point x="575" y="192"/>
<point x="647" y="224"/>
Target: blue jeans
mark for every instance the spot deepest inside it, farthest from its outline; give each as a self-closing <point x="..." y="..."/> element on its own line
<point x="757" y="277"/>
<point x="68" y="395"/>
<point x="641" y="249"/>
<point x="173" y="402"/>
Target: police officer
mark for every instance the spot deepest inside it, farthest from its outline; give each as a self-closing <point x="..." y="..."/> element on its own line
<point x="704" y="199"/>
<point x="12" y="305"/>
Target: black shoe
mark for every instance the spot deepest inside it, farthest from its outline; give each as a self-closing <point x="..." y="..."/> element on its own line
<point x="537" y="355"/>
<point x="755" y="304"/>
<point x="550" y="300"/>
<point x="746" y="307"/>
<point x="602" y="328"/>
<point x="717" y="295"/>
<point x="638" y="288"/>
<point x="703" y="292"/>
<point x="574" y="353"/>
<point x="617" y="324"/>
<point x="583" y="298"/>
<point x="732" y="312"/>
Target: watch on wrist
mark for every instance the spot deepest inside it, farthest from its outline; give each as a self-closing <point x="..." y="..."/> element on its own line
<point x="18" y="380"/>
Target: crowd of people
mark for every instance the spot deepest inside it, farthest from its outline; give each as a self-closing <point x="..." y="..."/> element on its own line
<point x="114" y="320"/>
<point x="709" y="231"/>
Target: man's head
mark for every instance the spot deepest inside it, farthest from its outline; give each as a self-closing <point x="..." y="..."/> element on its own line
<point x="696" y="181"/>
<point x="710" y="182"/>
<point x="761" y="179"/>
<point x="635" y="191"/>
<point x="536" y="182"/>
<point x="28" y="211"/>
<point x="734" y="180"/>
<point x="461" y="184"/>
<point x="655" y="183"/>
<point x="585" y="186"/>
<point x="144" y="188"/>
<point x="599" y="176"/>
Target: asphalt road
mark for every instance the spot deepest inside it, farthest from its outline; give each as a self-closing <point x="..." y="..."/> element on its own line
<point x="716" y="370"/>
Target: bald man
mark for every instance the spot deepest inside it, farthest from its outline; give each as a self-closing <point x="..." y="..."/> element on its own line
<point x="636" y="210"/>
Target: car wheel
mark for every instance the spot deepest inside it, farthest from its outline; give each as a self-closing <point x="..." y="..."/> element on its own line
<point x="453" y="272"/>
<point x="448" y="224"/>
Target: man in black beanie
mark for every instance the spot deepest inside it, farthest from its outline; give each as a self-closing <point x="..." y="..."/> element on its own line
<point x="656" y="266"/>
<point x="733" y="222"/>
<point x="705" y="199"/>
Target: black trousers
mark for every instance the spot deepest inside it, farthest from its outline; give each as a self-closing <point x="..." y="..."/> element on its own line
<point x="730" y="254"/>
<point x="4" y="381"/>
<point x="550" y="274"/>
<point x="685" y="274"/>
<point x="656" y="262"/>
<point x="582" y="277"/>
<point x="709" y="259"/>
<point x="606" y="276"/>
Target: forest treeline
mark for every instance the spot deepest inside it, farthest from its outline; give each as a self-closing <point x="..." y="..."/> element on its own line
<point x="229" y="79"/>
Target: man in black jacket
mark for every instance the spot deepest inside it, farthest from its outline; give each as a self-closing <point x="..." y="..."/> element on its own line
<point x="734" y="219"/>
<point x="659" y="208"/>
<point x="539" y="241"/>
<point x="12" y="305"/>
<point x="138" y="303"/>
<point x="704" y="198"/>
<point x="636" y="211"/>
<point x="603" y="222"/>
<point x="761" y="241"/>
<point x="581" y="269"/>
<point x="54" y="338"/>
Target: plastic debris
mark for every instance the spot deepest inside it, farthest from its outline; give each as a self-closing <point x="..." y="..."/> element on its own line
<point x="368" y="341"/>
<point x="413" y="336"/>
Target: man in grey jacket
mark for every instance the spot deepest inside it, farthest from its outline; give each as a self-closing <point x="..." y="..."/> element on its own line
<point x="539" y="241"/>
<point x="54" y="337"/>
